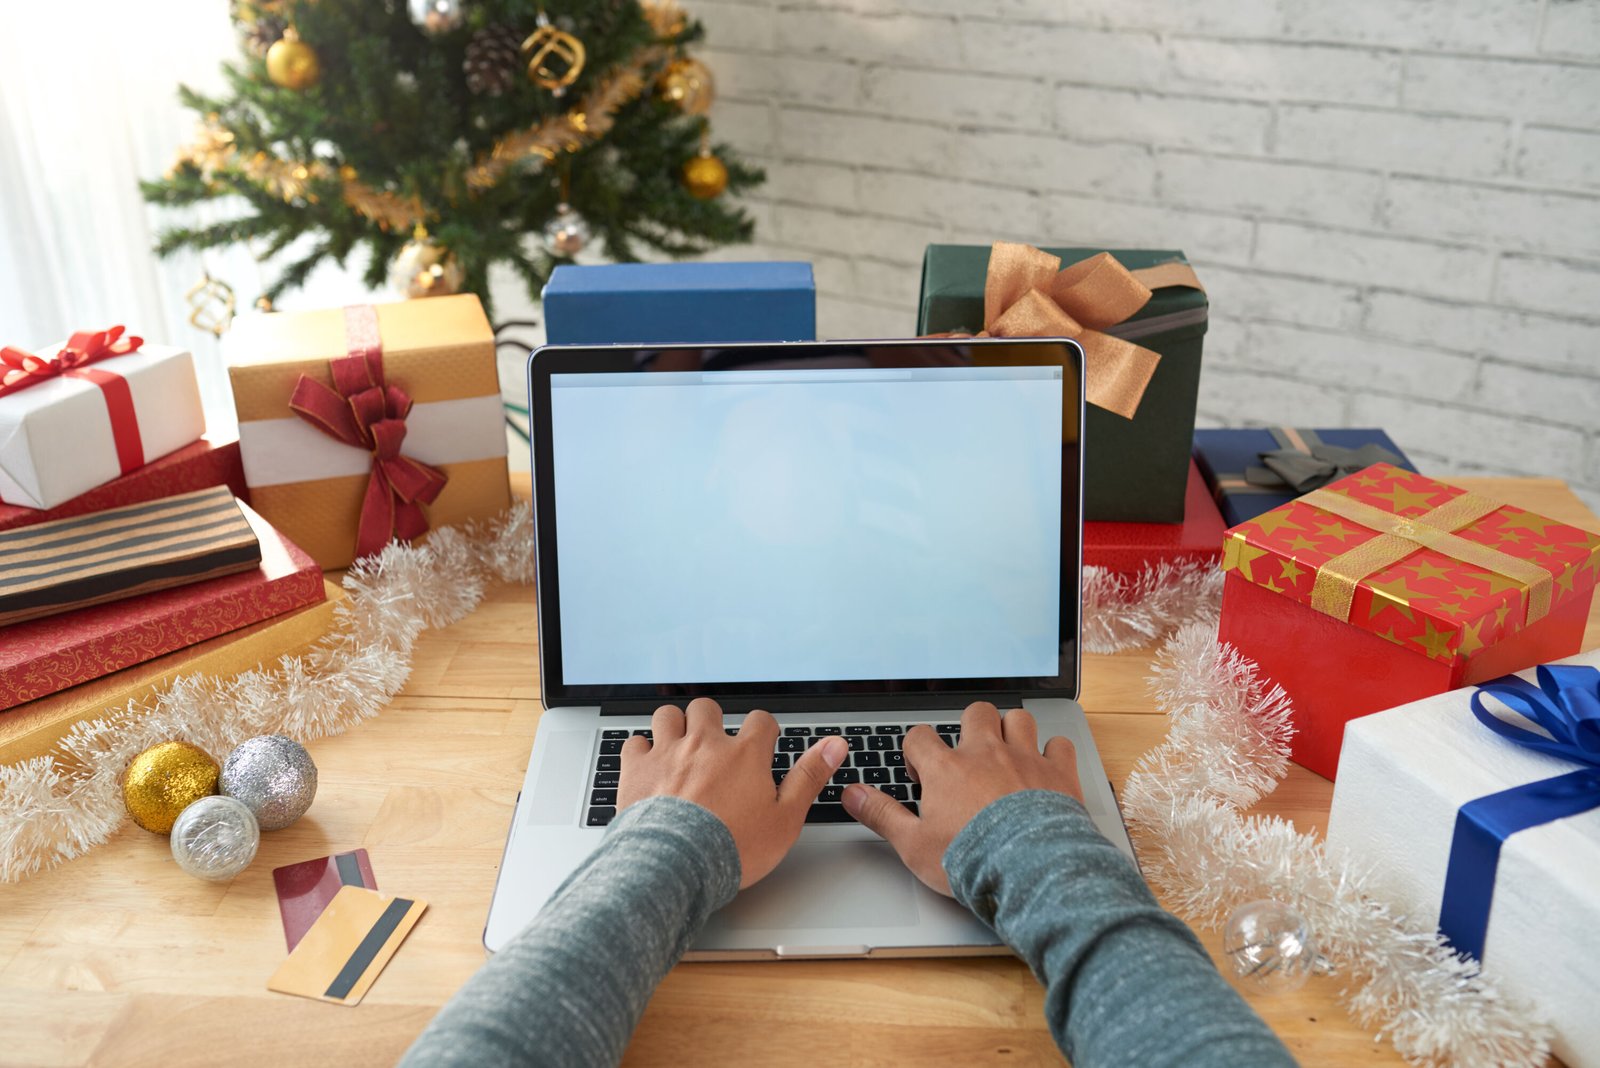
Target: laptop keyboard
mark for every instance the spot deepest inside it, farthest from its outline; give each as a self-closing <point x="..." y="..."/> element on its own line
<point x="874" y="758"/>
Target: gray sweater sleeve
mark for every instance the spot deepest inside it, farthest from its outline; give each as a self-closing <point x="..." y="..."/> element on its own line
<point x="570" y="989"/>
<point x="1125" y="981"/>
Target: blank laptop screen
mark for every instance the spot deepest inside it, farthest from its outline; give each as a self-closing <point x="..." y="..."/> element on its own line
<point x="788" y="525"/>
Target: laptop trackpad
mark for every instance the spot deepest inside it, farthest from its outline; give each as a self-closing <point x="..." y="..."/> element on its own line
<point x="830" y="884"/>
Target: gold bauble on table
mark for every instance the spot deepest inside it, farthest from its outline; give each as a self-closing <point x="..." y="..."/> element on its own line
<point x="292" y="63"/>
<point x="425" y="268"/>
<point x="688" y="84"/>
<point x="164" y="780"/>
<point x="705" y="175"/>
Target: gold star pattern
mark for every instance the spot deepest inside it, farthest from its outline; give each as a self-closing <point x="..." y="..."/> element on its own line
<point x="1403" y="498"/>
<point x="1291" y="572"/>
<point x="1238" y="553"/>
<point x="1271" y="522"/>
<point x="1434" y="642"/>
<point x="1336" y="530"/>
<point x="1300" y="543"/>
<point x="1532" y="522"/>
<point x="1466" y="593"/>
<point x="1498" y="582"/>
<point x="1501" y="613"/>
<point x="1395" y="594"/>
<point x="1564" y="583"/>
<point x="1507" y="537"/>
<point x="1367" y="480"/>
<point x="1426" y="569"/>
<point x="1448" y="608"/>
<point x="1273" y="586"/>
<point x="1470" y="641"/>
<point x="1545" y="549"/>
<point x="1390" y="635"/>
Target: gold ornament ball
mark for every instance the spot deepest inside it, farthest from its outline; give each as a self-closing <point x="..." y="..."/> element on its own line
<point x="164" y="780"/>
<point x="688" y="84"/>
<point x="424" y="268"/>
<point x="705" y="176"/>
<point x="293" y="64"/>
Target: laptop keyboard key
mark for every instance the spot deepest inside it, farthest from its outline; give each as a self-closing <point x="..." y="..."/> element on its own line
<point x="898" y="791"/>
<point x="895" y="759"/>
<point x="642" y="732"/>
<point x="603" y="797"/>
<point x="828" y="814"/>
<point x="949" y="728"/>
<point x="868" y="760"/>
<point x="600" y="816"/>
<point x="826" y="731"/>
<point x="875" y="775"/>
<point x="891" y="728"/>
<point x="606" y="780"/>
<point x="797" y="732"/>
<point x="881" y="742"/>
<point x="780" y="761"/>
<point x="613" y="734"/>
<point x="858" y="730"/>
<point x="902" y="775"/>
<point x="791" y="745"/>
<point x="611" y="745"/>
<point x="831" y="793"/>
<point x="856" y="742"/>
<point x="846" y="776"/>
<point x="609" y="763"/>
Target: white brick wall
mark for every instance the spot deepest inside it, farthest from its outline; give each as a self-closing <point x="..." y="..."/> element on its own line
<point x="1395" y="203"/>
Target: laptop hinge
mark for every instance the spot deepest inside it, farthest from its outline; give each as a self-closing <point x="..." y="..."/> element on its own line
<point x="889" y="702"/>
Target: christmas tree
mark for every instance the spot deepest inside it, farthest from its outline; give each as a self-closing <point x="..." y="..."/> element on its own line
<point x="449" y="135"/>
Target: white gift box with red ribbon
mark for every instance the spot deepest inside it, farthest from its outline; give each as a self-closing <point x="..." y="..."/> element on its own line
<point x="73" y="430"/>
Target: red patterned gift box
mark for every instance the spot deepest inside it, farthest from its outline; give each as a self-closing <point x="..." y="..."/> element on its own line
<point x="195" y="466"/>
<point x="1125" y="548"/>
<point x="1387" y="587"/>
<point x="43" y="656"/>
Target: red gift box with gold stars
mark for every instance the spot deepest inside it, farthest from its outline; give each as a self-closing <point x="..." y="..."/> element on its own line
<point x="1387" y="587"/>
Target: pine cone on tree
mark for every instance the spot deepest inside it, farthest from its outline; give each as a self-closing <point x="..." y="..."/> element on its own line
<point x="493" y="60"/>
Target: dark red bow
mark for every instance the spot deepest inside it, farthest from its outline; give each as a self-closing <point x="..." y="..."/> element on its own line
<point x="370" y="414"/>
<point x="19" y="369"/>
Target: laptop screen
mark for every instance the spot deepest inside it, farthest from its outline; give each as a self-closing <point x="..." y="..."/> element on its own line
<point x="833" y="519"/>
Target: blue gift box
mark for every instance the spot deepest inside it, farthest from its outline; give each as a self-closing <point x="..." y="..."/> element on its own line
<point x="1254" y="470"/>
<point x="698" y="303"/>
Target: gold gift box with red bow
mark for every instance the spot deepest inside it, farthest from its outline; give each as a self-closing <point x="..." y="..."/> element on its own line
<point x="429" y="450"/>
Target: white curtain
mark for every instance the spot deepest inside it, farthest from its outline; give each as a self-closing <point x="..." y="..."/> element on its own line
<point x="88" y="106"/>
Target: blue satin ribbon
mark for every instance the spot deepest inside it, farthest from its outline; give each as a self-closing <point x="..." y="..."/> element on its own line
<point x="1566" y="703"/>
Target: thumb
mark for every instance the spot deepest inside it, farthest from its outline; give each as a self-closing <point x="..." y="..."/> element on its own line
<point x="812" y="771"/>
<point x="881" y="814"/>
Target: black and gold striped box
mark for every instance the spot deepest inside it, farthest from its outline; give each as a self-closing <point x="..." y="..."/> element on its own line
<point x="70" y="563"/>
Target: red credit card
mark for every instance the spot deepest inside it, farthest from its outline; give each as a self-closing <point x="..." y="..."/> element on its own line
<point x="305" y="889"/>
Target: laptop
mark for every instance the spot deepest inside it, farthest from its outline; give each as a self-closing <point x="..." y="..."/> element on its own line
<point x="857" y="537"/>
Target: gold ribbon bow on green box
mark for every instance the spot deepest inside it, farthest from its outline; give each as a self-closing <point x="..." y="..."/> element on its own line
<point x="1027" y="293"/>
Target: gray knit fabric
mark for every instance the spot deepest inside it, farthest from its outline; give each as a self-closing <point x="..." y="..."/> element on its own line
<point x="1127" y="983"/>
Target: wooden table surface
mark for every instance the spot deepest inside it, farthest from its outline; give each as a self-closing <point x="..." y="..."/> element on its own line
<point x="120" y="958"/>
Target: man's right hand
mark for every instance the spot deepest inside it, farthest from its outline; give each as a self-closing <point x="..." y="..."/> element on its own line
<point x="996" y="757"/>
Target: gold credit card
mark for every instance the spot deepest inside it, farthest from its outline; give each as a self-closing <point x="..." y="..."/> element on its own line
<point x="341" y="955"/>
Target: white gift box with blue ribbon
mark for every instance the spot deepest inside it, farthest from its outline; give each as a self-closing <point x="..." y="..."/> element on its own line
<point x="1479" y="810"/>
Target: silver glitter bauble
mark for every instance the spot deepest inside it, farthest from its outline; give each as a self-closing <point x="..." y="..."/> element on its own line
<point x="1270" y="944"/>
<point x="567" y="232"/>
<point x="215" y="838"/>
<point x="273" y="776"/>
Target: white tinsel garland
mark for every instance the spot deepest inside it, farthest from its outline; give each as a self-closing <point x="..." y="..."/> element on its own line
<point x="1132" y="612"/>
<point x="56" y="807"/>
<point x="1228" y="748"/>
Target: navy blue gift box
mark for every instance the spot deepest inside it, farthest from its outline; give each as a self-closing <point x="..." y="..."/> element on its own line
<point x="697" y="303"/>
<point x="1254" y="470"/>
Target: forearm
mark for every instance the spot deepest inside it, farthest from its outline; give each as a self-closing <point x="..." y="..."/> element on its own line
<point x="1126" y="982"/>
<point x="570" y="989"/>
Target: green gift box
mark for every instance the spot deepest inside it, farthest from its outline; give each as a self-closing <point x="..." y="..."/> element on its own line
<point x="1135" y="469"/>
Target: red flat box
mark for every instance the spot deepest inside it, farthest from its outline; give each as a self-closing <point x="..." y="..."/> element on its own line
<point x="44" y="656"/>
<point x="1422" y="625"/>
<point x="1124" y="548"/>
<point x="195" y="466"/>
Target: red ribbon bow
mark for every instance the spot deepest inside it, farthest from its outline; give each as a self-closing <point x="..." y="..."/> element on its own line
<point x="20" y="370"/>
<point x="370" y="414"/>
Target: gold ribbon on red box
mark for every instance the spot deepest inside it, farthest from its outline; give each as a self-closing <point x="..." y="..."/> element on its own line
<point x="1420" y="563"/>
<point x="1027" y="293"/>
